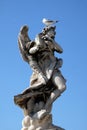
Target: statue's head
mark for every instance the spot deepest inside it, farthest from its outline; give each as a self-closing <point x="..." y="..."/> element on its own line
<point x="50" y="31"/>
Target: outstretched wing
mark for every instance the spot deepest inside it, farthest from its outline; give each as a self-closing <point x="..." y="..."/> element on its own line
<point x="23" y="39"/>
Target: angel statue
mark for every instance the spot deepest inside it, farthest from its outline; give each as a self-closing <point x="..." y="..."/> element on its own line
<point x="47" y="82"/>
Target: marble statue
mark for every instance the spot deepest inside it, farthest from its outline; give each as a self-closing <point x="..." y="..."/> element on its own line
<point x="46" y="83"/>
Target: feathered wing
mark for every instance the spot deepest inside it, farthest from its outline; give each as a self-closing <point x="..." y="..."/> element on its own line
<point x="23" y="39"/>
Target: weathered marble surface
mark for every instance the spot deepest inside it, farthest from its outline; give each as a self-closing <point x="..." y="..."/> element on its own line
<point x="46" y="83"/>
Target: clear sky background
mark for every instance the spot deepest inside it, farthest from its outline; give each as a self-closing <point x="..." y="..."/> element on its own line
<point x="70" y="110"/>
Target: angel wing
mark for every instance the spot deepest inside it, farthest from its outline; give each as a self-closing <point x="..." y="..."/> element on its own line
<point x="23" y="39"/>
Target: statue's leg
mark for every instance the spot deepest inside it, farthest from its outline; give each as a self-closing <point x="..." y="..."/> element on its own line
<point x="59" y="82"/>
<point x="30" y="106"/>
<point x="52" y="98"/>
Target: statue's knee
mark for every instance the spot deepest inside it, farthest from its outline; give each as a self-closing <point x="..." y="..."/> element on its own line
<point x="62" y="88"/>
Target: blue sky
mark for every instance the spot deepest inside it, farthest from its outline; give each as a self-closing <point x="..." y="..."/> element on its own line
<point x="70" y="110"/>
